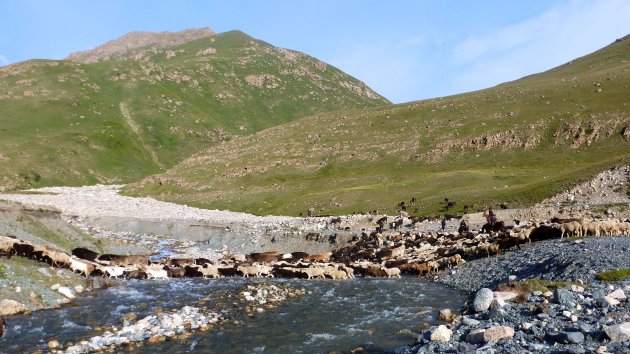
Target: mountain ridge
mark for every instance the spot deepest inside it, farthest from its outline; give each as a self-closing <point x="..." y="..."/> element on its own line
<point x="115" y="121"/>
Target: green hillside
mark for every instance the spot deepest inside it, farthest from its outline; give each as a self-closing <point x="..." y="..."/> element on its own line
<point x="515" y="143"/>
<point x="67" y="122"/>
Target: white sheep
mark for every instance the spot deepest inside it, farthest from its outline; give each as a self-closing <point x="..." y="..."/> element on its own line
<point x="253" y="270"/>
<point x="113" y="271"/>
<point x="81" y="266"/>
<point x="211" y="271"/>
<point x="155" y="271"/>
<point x="392" y="272"/>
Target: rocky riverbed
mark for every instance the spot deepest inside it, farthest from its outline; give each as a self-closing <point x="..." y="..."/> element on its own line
<point x="588" y="318"/>
<point x="581" y="315"/>
<point x="178" y="323"/>
<point x="567" y="260"/>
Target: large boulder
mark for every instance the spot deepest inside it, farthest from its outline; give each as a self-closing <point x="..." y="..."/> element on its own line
<point x="607" y="301"/>
<point x="11" y="307"/>
<point x="497" y="333"/>
<point x="505" y="295"/>
<point x="441" y="334"/>
<point x="67" y="292"/>
<point x="618" y="294"/>
<point x="483" y="299"/>
<point x="619" y="332"/>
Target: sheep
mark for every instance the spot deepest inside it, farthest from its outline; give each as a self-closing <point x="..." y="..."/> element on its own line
<point x="155" y="272"/>
<point x="58" y="258"/>
<point x="129" y="260"/>
<point x="592" y="229"/>
<point x="176" y="272"/>
<point x="571" y="228"/>
<point x="349" y="271"/>
<point x="209" y="270"/>
<point x="180" y="262"/>
<point x="81" y="266"/>
<point x="253" y="270"/>
<point x="392" y="272"/>
<point x="84" y="253"/>
<point x="136" y="274"/>
<point x="113" y="271"/>
<point x="6" y="245"/>
<point x="266" y="270"/>
<point x="508" y="243"/>
<point x="23" y="249"/>
<point x="314" y="272"/>
<point x="492" y="248"/>
<point x="324" y="257"/>
<point x="455" y="260"/>
<point x="338" y="274"/>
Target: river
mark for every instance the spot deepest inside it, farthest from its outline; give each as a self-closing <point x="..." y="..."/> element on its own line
<point x="376" y="314"/>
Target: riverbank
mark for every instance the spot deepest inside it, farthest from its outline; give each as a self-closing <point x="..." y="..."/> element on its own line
<point x="587" y="318"/>
<point x="111" y="224"/>
<point x="553" y="260"/>
<point x="549" y="298"/>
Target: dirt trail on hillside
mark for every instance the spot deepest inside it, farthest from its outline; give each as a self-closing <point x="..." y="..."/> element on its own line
<point x="136" y="129"/>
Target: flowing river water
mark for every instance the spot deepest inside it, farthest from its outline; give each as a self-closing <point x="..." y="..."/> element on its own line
<point x="377" y="314"/>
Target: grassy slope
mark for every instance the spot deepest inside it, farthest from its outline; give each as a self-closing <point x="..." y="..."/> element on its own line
<point x="66" y="123"/>
<point x="517" y="143"/>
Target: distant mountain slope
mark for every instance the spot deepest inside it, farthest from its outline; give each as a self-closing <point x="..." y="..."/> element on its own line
<point x="515" y="143"/>
<point x="144" y="102"/>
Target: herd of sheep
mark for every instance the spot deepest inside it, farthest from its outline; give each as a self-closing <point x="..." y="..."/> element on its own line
<point x="386" y="251"/>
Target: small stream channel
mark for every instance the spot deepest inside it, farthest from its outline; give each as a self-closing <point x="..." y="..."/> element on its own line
<point x="332" y="316"/>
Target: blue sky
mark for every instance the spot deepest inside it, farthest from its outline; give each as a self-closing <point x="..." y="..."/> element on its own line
<point x="405" y="50"/>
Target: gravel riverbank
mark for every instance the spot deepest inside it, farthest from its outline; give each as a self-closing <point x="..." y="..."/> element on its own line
<point x="551" y="260"/>
<point x="582" y="315"/>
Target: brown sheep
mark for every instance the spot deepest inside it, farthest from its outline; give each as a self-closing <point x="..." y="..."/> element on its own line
<point x="322" y="257"/>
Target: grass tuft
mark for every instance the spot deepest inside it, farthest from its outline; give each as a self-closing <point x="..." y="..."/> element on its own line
<point x="527" y="286"/>
<point x="614" y="275"/>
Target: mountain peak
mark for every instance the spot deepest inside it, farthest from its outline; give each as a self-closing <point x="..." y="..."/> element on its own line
<point x="131" y="44"/>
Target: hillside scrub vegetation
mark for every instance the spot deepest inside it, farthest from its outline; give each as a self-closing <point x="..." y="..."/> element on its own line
<point x="106" y="116"/>
<point x="514" y="144"/>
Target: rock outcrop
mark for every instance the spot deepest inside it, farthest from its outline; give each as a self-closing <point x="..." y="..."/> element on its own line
<point x="130" y="45"/>
<point x="11" y="307"/>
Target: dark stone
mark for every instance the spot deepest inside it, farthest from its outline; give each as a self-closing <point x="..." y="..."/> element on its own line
<point x="597" y="335"/>
<point x="536" y="309"/>
<point x="465" y="348"/>
<point x="570" y="337"/>
<point x="585" y="327"/>
<point x="470" y="321"/>
<point x="563" y="297"/>
<point x="576" y="349"/>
